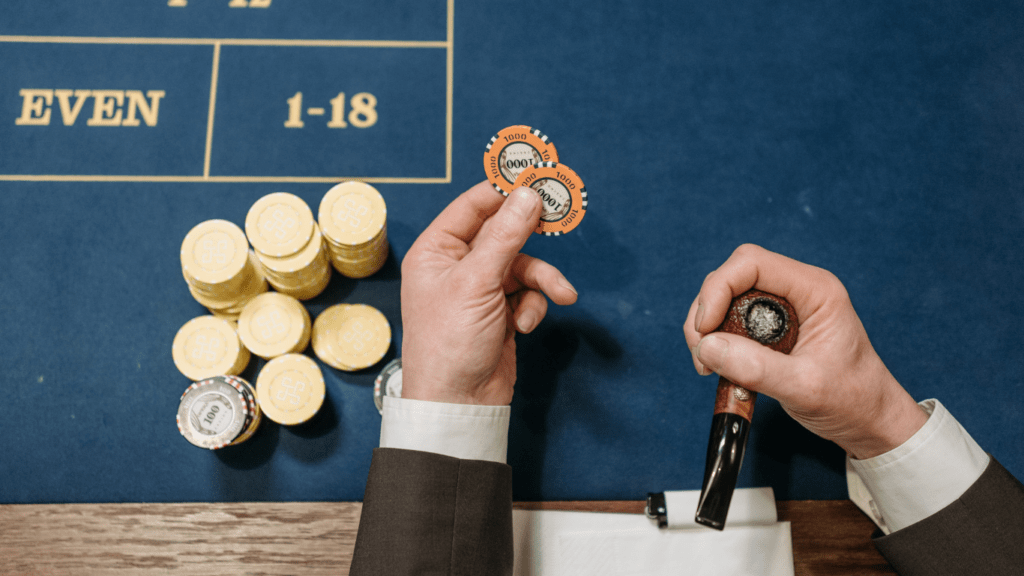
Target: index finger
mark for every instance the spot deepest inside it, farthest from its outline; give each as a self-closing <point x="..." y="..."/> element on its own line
<point x="467" y="213"/>
<point x="748" y="267"/>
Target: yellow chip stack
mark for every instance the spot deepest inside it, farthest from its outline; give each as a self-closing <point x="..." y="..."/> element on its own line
<point x="289" y="245"/>
<point x="221" y="272"/>
<point x="274" y="324"/>
<point x="207" y="346"/>
<point x="353" y="218"/>
<point x="351" y="337"/>
<point x="290" y="389"/>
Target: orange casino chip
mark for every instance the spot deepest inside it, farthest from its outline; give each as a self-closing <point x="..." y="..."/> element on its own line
<point x="513" y="150"/>
<point x="562" y="192"/>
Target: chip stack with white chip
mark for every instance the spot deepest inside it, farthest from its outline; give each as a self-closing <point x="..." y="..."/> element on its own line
<point x="289" y="245"/>
<point x="353" y="218"/>
<point x="218" y="412"/>
<point x="209" y="346"/>
<point x="351" y="337"/>
<point x="274" y="324"/>
<point x="221" y="272"/>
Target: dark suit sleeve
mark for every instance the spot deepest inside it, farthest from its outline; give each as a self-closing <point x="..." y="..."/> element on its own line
<point x="430" y="514"/>
<point x="981" y="533"/>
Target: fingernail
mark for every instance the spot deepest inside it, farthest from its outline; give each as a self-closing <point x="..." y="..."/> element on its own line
<point x="712" y="351"/>
<point x="701" y="369"/>
<point x="527" y="322"/>
<point x="699" y="317"/>
<point x="521" y="202"/>
<point x="565" y="284"/>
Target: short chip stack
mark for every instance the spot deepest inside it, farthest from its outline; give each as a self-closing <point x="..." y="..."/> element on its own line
<point x="221" y="272"/>
<point x="289" y="245"/>
<point x="353" y="219"/>
<point x="388" y="383"/>
<point x="351" y="337"/>
<point x="291" y="389"/>
<point x="218" y="412"/>
<point x="274" y="324"/>
<point x="209" y="346"/>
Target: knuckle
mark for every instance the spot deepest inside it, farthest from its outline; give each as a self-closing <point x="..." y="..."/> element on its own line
<point x="748" y="251"/>
<point x="833" y="287"/>
<point x="758" y="375"/>
<point x="504" y="232"/>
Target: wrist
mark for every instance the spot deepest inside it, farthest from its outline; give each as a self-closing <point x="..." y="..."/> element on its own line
<point x="450" y="389"/>
<point x="442" y="394"/>
<point x="898" y="420"/>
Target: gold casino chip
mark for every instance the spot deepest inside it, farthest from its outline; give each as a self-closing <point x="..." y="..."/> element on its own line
<point x="279" y="224"/>
<point x="214" y="252"/>
<point x="290" y="389"/>
<point x="352" y="214"/>
<point x="351" y="337"/>
<point x="273" y="324"/>
<point x="208" y="346"/>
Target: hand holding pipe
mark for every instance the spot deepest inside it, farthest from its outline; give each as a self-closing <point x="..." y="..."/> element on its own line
<point x="772" y="321"/>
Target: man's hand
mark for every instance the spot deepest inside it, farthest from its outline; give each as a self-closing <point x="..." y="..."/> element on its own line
<point x="466" y="291"/>
<point x="833" y="382"/>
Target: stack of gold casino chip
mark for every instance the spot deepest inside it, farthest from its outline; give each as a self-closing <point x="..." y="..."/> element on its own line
<point x="221" y="272"/>
<point x="351" y="337"/>
<point x="289" y="245"/>
<point x="290" y="389"/>
<point x="353" y="218"/>
<point x="217" y="412"/>
<point x="209" y="346"/>
<point x="274" y="324"/>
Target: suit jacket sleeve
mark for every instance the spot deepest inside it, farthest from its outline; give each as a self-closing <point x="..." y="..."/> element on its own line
<point x="980" y="533"/>
<point x="430" y="514"/>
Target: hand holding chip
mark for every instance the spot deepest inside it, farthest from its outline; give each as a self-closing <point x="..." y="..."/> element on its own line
<point x="466" y="291"/>
<point x="833" y="382"/>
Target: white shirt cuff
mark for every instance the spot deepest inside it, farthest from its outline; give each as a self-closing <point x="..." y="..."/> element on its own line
<point x="460" y="430"/>
<point x="925" y="474"/>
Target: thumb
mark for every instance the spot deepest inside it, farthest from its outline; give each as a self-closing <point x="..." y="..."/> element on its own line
<point x="506" y="233"/>
<point x="747" y="363"/>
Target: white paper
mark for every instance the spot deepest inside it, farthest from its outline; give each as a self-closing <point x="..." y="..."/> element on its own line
<point x="748" y="506"/>
<point x="557" y="543"/>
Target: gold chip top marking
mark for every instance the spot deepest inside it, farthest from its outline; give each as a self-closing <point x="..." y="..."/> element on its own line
<point x="357" y="335"/>
<point x="214" y="251"/>
<point x="279" y="224"/>
<point x="272" y="324"/>
<point x="290" y="389"/>
<point x="352" y="213"/>
<point x="206" y="346"/>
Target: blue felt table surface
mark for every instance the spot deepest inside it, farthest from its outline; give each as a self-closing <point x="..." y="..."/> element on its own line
<point x="882" y="141"/>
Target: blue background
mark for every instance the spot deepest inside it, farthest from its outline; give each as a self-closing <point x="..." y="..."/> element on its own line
<point x="880" y="141"/>
<point x="175" y="146"/>
<point x="406" y="141"/>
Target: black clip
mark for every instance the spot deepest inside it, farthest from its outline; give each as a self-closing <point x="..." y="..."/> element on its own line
<point x="656" y="508"/>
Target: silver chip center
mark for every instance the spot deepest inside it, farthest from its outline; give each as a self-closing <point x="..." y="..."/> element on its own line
<point x="515" y="158"/>
<point x="211" y="414"/>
